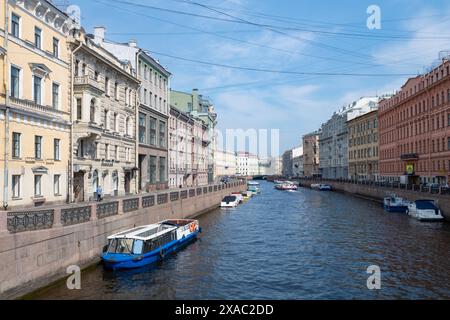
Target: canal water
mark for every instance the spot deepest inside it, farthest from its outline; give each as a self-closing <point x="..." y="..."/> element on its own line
<point x="281" y="245"/>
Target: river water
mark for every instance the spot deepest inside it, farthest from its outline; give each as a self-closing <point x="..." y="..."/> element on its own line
<point x="281" y="245"/>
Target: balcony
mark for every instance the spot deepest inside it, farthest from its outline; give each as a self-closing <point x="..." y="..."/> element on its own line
<point x="88" y="82"/>
<point x="31" y="106"/>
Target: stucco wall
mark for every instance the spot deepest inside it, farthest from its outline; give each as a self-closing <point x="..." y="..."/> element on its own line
<point x="32" y="259"/>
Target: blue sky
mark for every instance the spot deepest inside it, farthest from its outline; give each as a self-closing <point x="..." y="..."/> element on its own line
<point x="300" y="36"/>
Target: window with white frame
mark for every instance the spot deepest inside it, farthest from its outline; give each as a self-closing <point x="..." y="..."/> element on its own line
<point x="15" y="183"/>
<point x="15" y="25"/>
<point x="37" y="185"/>
<point x="37" y="89"/>
<point x="37" y="37"/>
<point x="57" y="184"/>
<point x="56" y="149"/>
<point x="16" y="144"/>
<point x="55" y="95"/>
<point x="15" y="82"/>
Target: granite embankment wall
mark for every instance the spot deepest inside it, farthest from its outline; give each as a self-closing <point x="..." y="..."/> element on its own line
<point x="377" y="192"/>
<point x="37" y="245"/>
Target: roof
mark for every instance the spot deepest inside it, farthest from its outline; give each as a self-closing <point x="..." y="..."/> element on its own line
<point x="144" y="232"/>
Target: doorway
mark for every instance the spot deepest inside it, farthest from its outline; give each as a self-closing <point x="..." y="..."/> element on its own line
<point x="78" y="186"/>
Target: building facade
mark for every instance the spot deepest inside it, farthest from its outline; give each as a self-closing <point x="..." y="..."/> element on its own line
<point x="200" y="107"/>
<point x="225" y="163"/>
<point x="104" y="121"/>
<point x="271" y="166"/>
<point x="333" y="140"/>
<point x="153" y="115"/>
<point x="247" y="164"/>
<point x="297" y="162"/>
<point x="34" y="104"/>
<point x="311" y="154"/>
<point x="287" y="163"/>
<point x="414" y="128"/>
<point x="188" y="142"/>
<point x="363" y="147"/>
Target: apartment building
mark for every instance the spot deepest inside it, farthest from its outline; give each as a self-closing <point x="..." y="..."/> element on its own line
<point x="311" y="154"/>
<point x="34" y="104"/>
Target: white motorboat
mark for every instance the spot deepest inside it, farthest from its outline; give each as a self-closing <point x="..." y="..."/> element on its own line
<point x="424" y="210"/>
<point x="230" y="202"/>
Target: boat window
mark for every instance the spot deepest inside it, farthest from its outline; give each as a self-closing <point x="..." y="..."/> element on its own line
<point x="425" y="205"/>
<point x="137" y="248"/>
<point x="229" y="199"/>
<point x="120" y="246"/>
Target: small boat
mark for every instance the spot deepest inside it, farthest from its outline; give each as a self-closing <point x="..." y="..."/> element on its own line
<point x="229" y="202"/>
<point x="246" y="195"/>
<point x="424" y="210"/>
<point x="239" y="196"/>
<point x="278" y="181"/>
<point x="395" y="204"/>
<point x="147" y="244"/>
<point x="321" y="187"/>
<point x="253" y="187"/>
<point x="286" y="186"/>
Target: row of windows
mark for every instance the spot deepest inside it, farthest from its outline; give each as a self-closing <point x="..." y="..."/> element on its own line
<point x="362" y="127"/>
<point x="364" y="153"/>
<point x="16" y="185"/>
<point x="149" y="74"/>
<point x="38" y="141"/>
<point x="421" y="166"/>
<point x="16" y="31"/>
<point x="151" y="169"/>
<point x="373" y="137"/>
<point x="153" y="100"/>
<point x="84" y="151"/>
<point x="37" y="89"/>
<point x="421" y="147"/>
<point x="150" y="136"/>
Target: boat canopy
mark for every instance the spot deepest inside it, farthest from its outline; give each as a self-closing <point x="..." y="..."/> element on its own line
<point x="145" y="232"/>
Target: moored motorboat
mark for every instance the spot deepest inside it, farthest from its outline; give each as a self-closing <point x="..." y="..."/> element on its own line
<point x="395" y="204"/>
<point x="425" y="210"/>
<point x="230" y="202"/>
<point x="239" y="196"/>
<point x="286" y="186"/>
<point x="254" y="187"/>
<point x="147" y="244"/>
<point x="321" y="187"/>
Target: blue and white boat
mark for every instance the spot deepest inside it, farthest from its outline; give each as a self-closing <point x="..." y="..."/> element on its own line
<point x="395" y="204"/>
<point x="144" y="245"/>
<point x="253" y="187"/>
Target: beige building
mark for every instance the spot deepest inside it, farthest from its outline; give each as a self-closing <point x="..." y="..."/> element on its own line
<point x="363" y="147"/>
<point x="224" y="163"/>
<point x="188" y="141"/>
<point x="34" y="104"/>
<point x="104" y="121"/>
<point x="311" y="154"/>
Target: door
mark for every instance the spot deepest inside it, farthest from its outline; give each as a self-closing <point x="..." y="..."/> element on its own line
<point x="127" y="182"/>
<point x="78" y="186"/>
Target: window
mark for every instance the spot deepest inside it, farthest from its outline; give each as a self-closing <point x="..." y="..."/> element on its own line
<point x="116" y="91"/>
<point x="37" y="89"/>
<point x="15" y="25"/>
<point x="92" y="111"/>
<point x="116" y="122"/>
<point x="78" y="109"/>
<point x="107" y="120"/>
<point x="16" y="145"/>
<point x="128" y="126"/>
<point x="55" y="96"/>
<point x="37" y="185"/>
<point x="107" y="86"/>
<point x="152" y="131"/>
<point x="55" y="47"/>
<point x="107" y="151"/>
<point x="15" y="186"/>
<point x="37" y="147"/>
<point x="37" y="37"/>
<point x="56" y="149"/>
<point x="162" y="134"/>
<point x="56" y="184"/>
<point x="145" y="96"/>
<point x="152" y="169"/>
<point x="142" y="128"/>
<point x="162" y="169"/>
<point x="116" y="153"/>
<point x="15" y="82"/>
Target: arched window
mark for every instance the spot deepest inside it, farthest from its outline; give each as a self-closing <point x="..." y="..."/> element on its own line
<point x="92" y="111"/>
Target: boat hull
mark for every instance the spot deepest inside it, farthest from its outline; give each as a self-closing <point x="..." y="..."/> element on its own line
<point x="396" y="209"/>
<point x="128" y="261"/>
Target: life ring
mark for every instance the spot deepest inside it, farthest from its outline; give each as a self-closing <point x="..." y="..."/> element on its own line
<point x="192" y="227"/>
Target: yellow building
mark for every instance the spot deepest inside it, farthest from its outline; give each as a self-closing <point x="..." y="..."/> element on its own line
<point x="34" y="105"/>
<point x="363" y="147"/>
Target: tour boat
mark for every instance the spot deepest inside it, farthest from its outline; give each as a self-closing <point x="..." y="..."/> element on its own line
<point x="253" y="187"/>
<point x="424" y="210"/>
<point x="395" y="204"/>
<point x="286" y="186"/>
<point x="147" y="244"/>
<point x="230" y="202"/>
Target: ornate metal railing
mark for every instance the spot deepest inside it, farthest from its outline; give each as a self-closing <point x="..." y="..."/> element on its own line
<point x="76" y="215"/>
<point x="148" y="201"/>
<point x="183" y="194"/>
<point x="162" y="198"/>
<point x="205" y="190"/>
<point x="107" y="209"/>
<point x="174" y="196"/>
<point x="215" y="188"/>
<point x="129" y="205"/>
<point x="199" y="191"/>
<point x="191" y="193"/>
<point x="30" y="220"/>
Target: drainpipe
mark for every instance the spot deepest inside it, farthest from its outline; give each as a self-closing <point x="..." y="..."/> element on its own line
<point x="176" y="137"/>
<point x="138" y="103"/>
<point x="5" y="87"/>
<point x="72" y="79"/>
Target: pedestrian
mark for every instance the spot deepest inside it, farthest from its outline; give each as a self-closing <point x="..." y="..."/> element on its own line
<point x="99" y="193"/>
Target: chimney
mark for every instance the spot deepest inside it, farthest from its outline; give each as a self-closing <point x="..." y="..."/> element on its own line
<point x="132" y="43"/>
<point x="99" y="35"/>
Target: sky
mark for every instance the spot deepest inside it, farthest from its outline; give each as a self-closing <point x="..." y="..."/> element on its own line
<point x="293" y="42"/>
